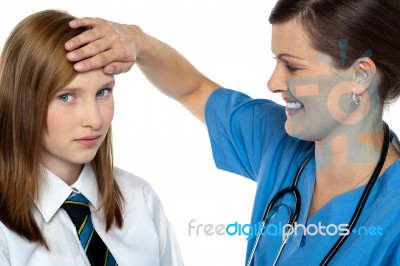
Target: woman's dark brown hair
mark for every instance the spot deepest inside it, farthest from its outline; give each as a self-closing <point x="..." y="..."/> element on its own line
<point x="33" y="67"/>
<point x="371" y="28"/>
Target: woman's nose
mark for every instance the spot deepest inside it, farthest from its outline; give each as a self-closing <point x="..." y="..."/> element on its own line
<point x="277" y="82"/>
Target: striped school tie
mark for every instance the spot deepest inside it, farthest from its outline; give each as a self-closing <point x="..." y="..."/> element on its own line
<point x="77" y="207"/>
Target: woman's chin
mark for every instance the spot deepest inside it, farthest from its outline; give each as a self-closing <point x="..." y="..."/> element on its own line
<point x="299" y="132"/>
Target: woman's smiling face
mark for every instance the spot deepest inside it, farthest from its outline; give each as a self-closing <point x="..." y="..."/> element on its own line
<point x="318" y="96"/>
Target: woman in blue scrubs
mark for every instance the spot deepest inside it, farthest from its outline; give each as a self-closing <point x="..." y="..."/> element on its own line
<point x="329" y="139"/>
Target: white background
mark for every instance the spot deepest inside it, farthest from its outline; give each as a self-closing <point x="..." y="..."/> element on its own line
<point x="154" y="137"/>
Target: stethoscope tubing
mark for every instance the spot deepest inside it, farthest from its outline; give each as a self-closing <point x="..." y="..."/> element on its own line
<point x="363" y="199"/>
<point x="292" y="189"/>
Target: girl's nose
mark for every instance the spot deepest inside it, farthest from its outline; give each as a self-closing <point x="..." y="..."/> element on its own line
<point x="91" y="116"/>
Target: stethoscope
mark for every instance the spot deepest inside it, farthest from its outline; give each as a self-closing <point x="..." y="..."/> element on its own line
<point x="294" y="215"/>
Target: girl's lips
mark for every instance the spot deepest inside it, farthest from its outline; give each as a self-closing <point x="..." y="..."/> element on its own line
<point x="88" y="141"/>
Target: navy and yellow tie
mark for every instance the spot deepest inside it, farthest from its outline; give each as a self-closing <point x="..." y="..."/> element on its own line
<point x="77" y="207"/>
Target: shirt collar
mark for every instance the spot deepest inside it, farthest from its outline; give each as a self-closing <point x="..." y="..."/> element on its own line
<point x="54" y="191"/>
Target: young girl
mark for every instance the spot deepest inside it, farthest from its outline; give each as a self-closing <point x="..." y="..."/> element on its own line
<point x="61" y="200"/>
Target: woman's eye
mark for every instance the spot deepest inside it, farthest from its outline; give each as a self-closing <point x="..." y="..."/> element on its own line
<point x="65" y="98"/>
<point x="292" y="69"/>
<point x="103" y="92"/>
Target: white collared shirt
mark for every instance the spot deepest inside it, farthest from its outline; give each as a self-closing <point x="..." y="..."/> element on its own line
<point x="146" y="238"/>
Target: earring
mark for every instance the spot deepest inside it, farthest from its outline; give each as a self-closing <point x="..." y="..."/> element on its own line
<point x="356" y="101"/>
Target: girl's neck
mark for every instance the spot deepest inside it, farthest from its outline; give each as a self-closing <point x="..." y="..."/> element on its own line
<point x="67" y="172"/>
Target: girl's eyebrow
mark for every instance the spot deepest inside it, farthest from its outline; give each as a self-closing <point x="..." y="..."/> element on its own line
<point x="79" y="89"/>
<point x="107" y="84"/>
<point x="70" y="89"/>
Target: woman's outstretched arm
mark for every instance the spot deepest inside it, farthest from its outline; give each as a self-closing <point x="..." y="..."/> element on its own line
<point x="117" y="47"/>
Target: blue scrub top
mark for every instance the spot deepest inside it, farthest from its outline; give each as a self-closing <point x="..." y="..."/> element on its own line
<point x="248" y="138"/>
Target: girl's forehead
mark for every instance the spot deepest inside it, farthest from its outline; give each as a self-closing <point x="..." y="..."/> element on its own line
<point x="91" y="79"/>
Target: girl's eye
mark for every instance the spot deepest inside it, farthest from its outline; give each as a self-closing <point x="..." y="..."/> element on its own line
<point x="66" y="98"/>
<point x="103" y="92"/>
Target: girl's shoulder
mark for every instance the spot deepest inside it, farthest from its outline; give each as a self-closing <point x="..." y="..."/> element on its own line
<point x="127" y="180"/>
<point x="133" y="186"/>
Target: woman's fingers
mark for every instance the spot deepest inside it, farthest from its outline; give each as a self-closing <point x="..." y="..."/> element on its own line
<point x="104" y="44"/>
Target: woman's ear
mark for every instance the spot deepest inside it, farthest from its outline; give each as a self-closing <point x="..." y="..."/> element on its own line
<point x="365" y="71"/>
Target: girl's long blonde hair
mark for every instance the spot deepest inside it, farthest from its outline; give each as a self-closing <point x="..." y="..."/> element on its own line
<point x="33" y="67"/>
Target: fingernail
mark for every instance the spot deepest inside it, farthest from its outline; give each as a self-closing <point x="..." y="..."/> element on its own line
<point x="72" y="23"/>
<point x="78" y="66"/>
<point x="109" y="70"/>
<point x="71" y="56"/>
<point x="68" y="45"/>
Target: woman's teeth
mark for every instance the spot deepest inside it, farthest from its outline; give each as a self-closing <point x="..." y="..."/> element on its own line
<point x="294" y="105"/>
